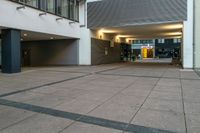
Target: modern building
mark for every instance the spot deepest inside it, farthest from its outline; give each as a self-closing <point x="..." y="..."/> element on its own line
<point x="90" y="32"/>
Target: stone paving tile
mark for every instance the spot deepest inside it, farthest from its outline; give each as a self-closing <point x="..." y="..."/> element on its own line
<point x="146" y="81"/>
<point x="87" y="128"/>
<point x="193" y="122"/>
<point x="4" y="90"/>
<point x="169" y="82"/>
<point x="48" y="100"/>
<point x="95" y="96"/>
<point x="194" y="84"/>
<point x="9" y="116"/>
<point x="73" y="93"/>
<point x="77" y="106"/>
<point x="192" y="108"/>
<point x="109" y="84"/>
<point x="133" y="101"/>
<point x="33" y="79"/>
<point x="166" y="105"/>
<point x="191" y="95"/>
<point x="115" y="111"/>
<point x="145" y="87"/>
<point x="189" y="75"/>
<point x="49" y="89"/>
<point x="135" y="92"/>
<point x="24" y="96"/>
<point x="165" y="120"/>
<point x="168" y="89"/>
<point x="172" y="74"/>
<point x="165" y="95"/>
<point x="105" y="89"/>
<point x="39" y="124"/>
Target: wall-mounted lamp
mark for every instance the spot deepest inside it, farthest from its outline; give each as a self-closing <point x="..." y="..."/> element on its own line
<point x="21" y="7"/>
<point x="25" y="34"/>
<point x="41" y="14"/>
<point x="61" y="18"/>
<point x="72" y="22"/>
<point x="100" y="37"/>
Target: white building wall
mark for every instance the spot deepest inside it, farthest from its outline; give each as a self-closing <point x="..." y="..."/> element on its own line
<point x="188" y="38"/>
<point x="29" y="19"/>
<point x="197" y="34"/>
<point x="85" y="37"/>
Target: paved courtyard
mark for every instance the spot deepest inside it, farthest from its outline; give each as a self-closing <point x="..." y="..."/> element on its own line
<point x="113" y="98"/>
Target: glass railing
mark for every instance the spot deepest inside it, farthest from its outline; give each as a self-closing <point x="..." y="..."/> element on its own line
<point x="64" y="8"/>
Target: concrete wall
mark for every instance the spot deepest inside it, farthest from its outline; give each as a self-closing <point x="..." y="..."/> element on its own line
<point x="103" y="53"/>
<point x="197" y="34"/>
<point x="57" y="52"/>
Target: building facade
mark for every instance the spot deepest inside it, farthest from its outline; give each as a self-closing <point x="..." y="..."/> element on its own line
<point x="90" y="32"/>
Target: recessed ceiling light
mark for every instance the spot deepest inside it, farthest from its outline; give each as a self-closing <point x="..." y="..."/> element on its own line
<point x="25" y="34"/>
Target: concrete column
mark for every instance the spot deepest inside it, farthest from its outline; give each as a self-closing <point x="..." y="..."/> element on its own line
<point x="187" y="47"/>
<point x="11" y="51"/>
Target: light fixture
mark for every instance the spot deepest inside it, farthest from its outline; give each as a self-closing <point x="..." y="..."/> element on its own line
<point x="107" y="31"/>
<point x="173" y="26"/>
<point x="60" y="18"/>
<point x="51" y="38"/>
<point x="125" y="36"/>
<point x="174" y="33"/>
<point x="100" y="37"/>
<point x="72" y="22"/>
<point x="25" y="34"/>
<point x="43" y="13"/>
<point x="22" y="39"/>
<point x="21" y="7"/>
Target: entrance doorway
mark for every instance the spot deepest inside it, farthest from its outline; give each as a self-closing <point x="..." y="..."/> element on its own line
<point x="147" y="52"/>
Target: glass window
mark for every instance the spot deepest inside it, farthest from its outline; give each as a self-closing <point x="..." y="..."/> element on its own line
<point x="33" y="3"/>
<point x="43" y="5"/>
<point x="175" y="40"/>
<point x="161" y="40"/>
<point x="76" y="15"/>
<point x="63" y="8"/>
<point x="50" y="6"/>
<point x="71" y="6"/>
<point x="179" y="40"/>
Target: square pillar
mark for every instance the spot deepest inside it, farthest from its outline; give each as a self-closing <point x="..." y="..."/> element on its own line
<point x="11" y="51"/>
<point x="187" y="46"/>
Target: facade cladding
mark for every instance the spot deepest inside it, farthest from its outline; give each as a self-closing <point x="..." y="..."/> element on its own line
<point x="117" y="13"/>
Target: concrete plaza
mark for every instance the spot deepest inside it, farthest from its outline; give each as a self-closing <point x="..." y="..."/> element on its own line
<point x="113" y="98"/>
